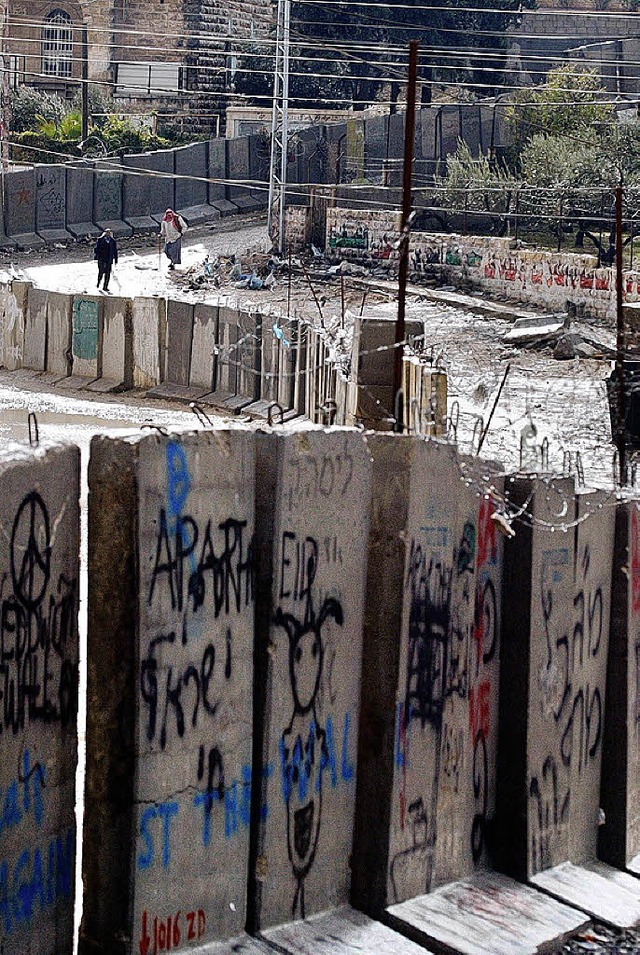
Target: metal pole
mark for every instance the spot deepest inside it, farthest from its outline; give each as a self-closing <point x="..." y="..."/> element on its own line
<point x="620" y="347"/>
<point x="409" y="134"/>
<point x="279" y="127"/>
<point x="84" y="92"/>
<point x="6" y="90"/>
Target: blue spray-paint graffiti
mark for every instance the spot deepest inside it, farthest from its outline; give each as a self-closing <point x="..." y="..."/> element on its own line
<point x="43" y="874"/>
<point x="164" y="811"/>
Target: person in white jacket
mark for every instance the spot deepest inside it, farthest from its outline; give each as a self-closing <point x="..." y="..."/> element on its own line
<point x="172" y="228"/>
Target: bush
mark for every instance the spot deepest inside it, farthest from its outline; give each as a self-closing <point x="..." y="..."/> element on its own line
<point x="27" y="104"/>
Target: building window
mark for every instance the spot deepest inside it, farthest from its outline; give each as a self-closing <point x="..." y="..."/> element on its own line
<point x="149" y="79"/>
<point x="57" y="44"/>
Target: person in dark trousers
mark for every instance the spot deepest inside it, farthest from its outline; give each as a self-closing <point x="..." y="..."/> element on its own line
<point x="106" y="254"/>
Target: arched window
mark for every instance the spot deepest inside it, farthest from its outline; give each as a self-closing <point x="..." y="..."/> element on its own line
<point x="57" y="44"/>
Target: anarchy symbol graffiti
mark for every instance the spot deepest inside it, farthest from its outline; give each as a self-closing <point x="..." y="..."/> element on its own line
<point x="31" y="551"/>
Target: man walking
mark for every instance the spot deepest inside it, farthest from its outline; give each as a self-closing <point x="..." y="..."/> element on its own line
<point x="106" y="254"/>
<point x="172" y="228"/>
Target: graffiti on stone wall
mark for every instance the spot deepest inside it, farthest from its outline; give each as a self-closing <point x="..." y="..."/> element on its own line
<point x="50" y="196"/>
<point x="108" y="193"/>
<point x="344" y="238"/>
<point x="315" y="744"/>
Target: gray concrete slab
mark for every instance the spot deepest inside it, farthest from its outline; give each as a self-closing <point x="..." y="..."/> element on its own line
<point x="604" y="893"/>
<point x="202" y="370"/>
<point x="20" y="188"/>
<point x="179" y="340"/>
<point x="488" y="914"/>
<point x="107" y="192"/>
<point x="79" y="194"/>
<point x="192" y="169"/>
<point x="137" y="186"/>
<point x="119" y="227"/>
<point x="87" y="336"/>
<point x="227" y="364"/>
<point x="53" y="236"/>
<point x="169" y="662"/>
<point x="176" y="392"/>
<point x="238" y="169"/>
<point x="116" y="346"/>
<point x="83" y="230"/>
<point x="142" y="224"/>
<point x="51" y="198"/>
<point x="224" y="206"/>
<point x="198" y="214"/>
<point x="342" y="930"/>
<point x="39" y="563"/>
<point x="34" y="355"/>
<point x="311" y="566"/>
<point x="28" y="241"/>
<point x="13" y="308"/>
<point x="217" y="173"/>
<point x="162" y="195"/>
<point x="149" y="323"/>
<point x="59" y="334"/>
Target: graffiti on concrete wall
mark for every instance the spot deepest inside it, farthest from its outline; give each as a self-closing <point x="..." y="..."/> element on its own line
<point x="38" y="627"/>
<point x="39" y="876"/>
<point x="315" y="745"/>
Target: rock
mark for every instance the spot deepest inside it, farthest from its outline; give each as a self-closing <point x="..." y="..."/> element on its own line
<point x="567" y="346"/>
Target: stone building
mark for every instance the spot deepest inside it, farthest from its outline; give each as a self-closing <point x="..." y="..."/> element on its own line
<point x="176" y="56"/>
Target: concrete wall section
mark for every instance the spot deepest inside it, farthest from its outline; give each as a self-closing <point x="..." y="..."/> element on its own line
<point x="237" y="167"/>
<point x="59" y="333"/>
<point x="202" y="370"/>
<point x="51" y="200"/>
<point x="39" y="561"/>
<point x="79" y="192"/>
<point x="556" y="603"/>
<point x="13" y="306"/>
<point x="21" y="202"/>
<point x="227" y="364"/>
<point x="162" y="196"/>
<point x="185" y="506"/>
<point x="179" y="341"/>
<point x="149" y="341"/>
<point x="191" y="162"/>
<point x="87" y="336"/>
<point x="312" y="493"/>
<point x="137" y="187"/>
<point x="249" y="353"/>
<point x="619" y="839"/>
<point x="217" y="170"/>
<point x="117" y="342"/>
<point x="35" y="330"/>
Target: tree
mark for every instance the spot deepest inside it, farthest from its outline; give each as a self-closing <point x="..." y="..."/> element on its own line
<point x="570" y="101"/>
<point x="27" y="104"/>
<point x="477" y="187"/>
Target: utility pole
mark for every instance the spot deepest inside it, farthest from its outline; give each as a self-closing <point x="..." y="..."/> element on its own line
<point x="85" y="84"/>
<point x="621" y="404"/>
<point x="403" y="269"/>
<point x="279" y="128"/>
<point x="6" y="88"/>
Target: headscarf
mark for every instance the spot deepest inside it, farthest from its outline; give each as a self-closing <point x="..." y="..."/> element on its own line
<point x="173" y="218"/>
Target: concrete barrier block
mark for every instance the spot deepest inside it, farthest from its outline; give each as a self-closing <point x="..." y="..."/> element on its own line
<point x="13" y="303"/>
<point x="115" y="346"/>
<point x="217" y="170"/>
<point x="79" y="192"/>
<point x="21" y="208"/>
<point x="179" y="341"/>
<point x="39" y="560"/>
<point x="87" y="336"/>
<point x="162" y="195"/>
<point x="137" y="185"/>
<point x="238" y="168"/>
<point x="311" y="564"/>
<point x="191" y="169"/>
<point x="169" y="736"/>
<point x="288" y="358"/>
<point x="107" y="199"/>
<point x="35" y="330"/>
<point x="202" y="371"/>
<point x="619" y="839"/>
<point x="430" y="700"/>
<point x="149" y="317"/>
<point x="51" y="202"/>
<point x="226" y="380"/>
<point x="59" y="334"/>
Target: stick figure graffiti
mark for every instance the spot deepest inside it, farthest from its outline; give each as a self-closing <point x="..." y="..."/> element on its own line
<point x="304" y="751"/>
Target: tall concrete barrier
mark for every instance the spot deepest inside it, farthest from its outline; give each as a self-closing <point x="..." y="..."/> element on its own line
<point x="238" y="191"/>
<point x="204" y="348"/>
<point x="20" y="208"/>
<point x="13" y="306"/>
<point x="39" y="559"/>
<point x="79" y="193"/>
<point x="429" y="723"/>
<point x="227" y="358"/>
<point x="51" y="203"/>
<point x="149" y="319"/>
<point x="87" y="337"/>
<point x="59" y="334"/>
<point x="107" y="198"/>
<point x="175" y="378"/>
<point x="170" y="675"/>
<point x="191" y="188"/>
<point x="34" y="355"/>
<point x="138" y="185"/>
<point x="218" y="197"/>
<point x="162" y="195"/>
<point x="312" y="513"/>
<point x="556" y="606"/>
<point x="115" y="346"/>
<point x="619" y="838"/>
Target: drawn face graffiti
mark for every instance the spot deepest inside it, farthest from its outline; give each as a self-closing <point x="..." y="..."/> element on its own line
<point x="304" y="752"/>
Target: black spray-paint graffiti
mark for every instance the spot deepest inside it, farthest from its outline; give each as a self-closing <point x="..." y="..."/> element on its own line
<point x="569" y="695"/>
<point x="38" y="624"/>
<point x="439" y="636"/>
